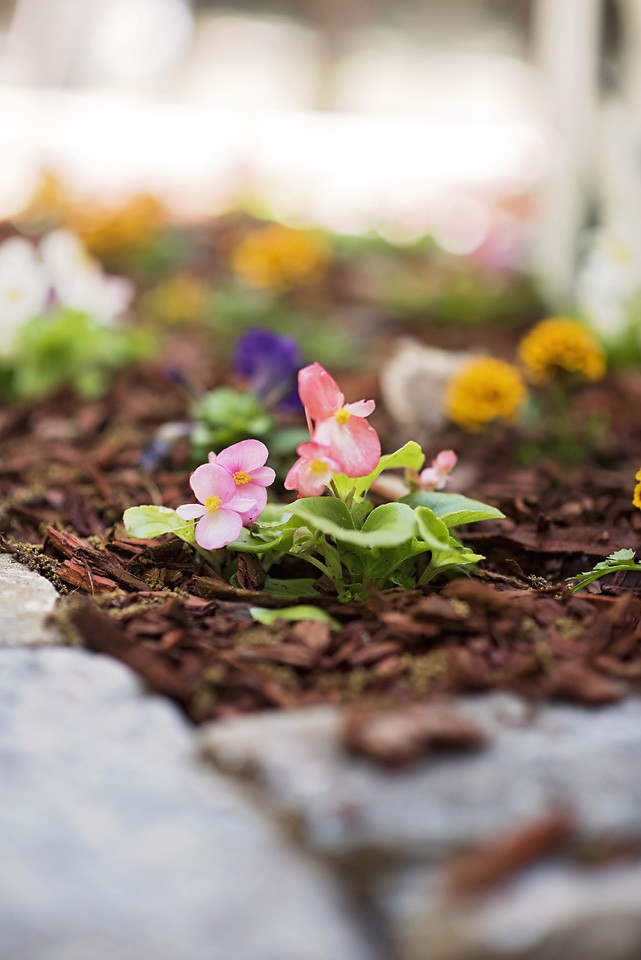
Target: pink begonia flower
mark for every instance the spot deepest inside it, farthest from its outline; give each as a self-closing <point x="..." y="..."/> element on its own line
<point x="312" y="471"/>
<point x="221" y="508"/>
<point x="245" y="464"/>
<point x="339" y="426"/>
<point x="437" y="476"/>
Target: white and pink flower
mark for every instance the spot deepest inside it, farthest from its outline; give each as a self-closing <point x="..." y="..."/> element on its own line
<point x="312" y="472"/>
<point x="245" y="464"/>
<point x="338" y="426"/>
<point x="437" y="475"/>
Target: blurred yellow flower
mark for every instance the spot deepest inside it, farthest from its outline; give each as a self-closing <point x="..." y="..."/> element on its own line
<point x="181" y="299"/>
<point x="636" y="500"/>
<point x="486" y="389"/>
<point x="125" y="226"/>
<point x="275" y="256"/>
<point x="561" y="344"/>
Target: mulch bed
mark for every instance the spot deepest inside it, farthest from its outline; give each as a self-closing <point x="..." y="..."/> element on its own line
<point x="70" y="468"/>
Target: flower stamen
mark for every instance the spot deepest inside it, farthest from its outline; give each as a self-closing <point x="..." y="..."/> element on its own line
<point x="342" y="415"/>
<point x="212" y="503"/>
<point x="241" y="477"/>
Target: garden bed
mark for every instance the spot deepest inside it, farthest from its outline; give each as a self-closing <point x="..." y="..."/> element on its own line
<point x="70" y="469"/>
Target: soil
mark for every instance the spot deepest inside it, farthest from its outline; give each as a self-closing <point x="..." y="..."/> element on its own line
<point x="69" y="469"/>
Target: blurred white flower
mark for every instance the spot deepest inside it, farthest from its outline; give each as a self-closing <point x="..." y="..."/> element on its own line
<point x="609" y="280"/>
<point x="79" y="282"/>
<point x="23" y="289"/>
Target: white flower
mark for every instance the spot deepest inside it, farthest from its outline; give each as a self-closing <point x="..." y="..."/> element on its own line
<point x="610" y="280"/>
<point x="23" y="289"/>
<point x="78" y="280"/>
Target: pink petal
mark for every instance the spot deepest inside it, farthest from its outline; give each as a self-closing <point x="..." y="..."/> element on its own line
<point x="314" y="451"/>
<point x="310" y="482"/>
<point x="217" y="529"/>
<point x="246" y="455"/>
<point x="445" y="461"/>
<point x="264" y="476"/>
<point x="319" y="392"/>
<point x="210" y="480"/>
<point x="291" y="480"/>
<point x="361" y="408"/>
<point x="355" y="445"/>
<point x="190" y="511"/>
<point x="246" y="498"/>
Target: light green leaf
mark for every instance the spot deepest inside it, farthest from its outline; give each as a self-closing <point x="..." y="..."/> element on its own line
<point x="299" y="612"/>
<point x="431" y="528"/>
<point x="454" y="508"/>
<point x="621" y="556"/>
<point x="386" y="526"/>
<point x="150" y="521"/>
<point x="410" y="456"/>
<point x="326" y="514"/>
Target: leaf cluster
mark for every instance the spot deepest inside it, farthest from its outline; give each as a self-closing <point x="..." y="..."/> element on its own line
<point x="355" y="545"/>
<point x="70" y="348"/>
<point x="621" y="560"/>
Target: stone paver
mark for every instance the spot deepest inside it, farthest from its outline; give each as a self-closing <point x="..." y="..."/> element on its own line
<point x="116" y="843"/>
<point x="26" y="600"/>
<point x="349" y="810"/>
<point x="586" y="759"/>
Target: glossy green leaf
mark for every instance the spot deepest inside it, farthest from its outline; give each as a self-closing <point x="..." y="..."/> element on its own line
<point x="453" y="508"/>
<point x="149" y="521"/>
<point x="299" y="612"/>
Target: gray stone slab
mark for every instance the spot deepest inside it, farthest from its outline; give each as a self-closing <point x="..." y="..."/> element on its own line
<point x="116" y="843"/>
<point x="552" y="911"/>
<point x="26" y="600"/>
<point x="586" y="759"/>
<point x="349" y="809"/>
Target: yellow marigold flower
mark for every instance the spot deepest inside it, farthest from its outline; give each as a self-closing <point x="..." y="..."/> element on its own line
<point x="561" y="344"/>
<point x="636" y="499"/>
<point x="486" y="389"/>
<point x="126" y="226"/>
<point x="181" y="299"/>
<point x="275" y="256"/>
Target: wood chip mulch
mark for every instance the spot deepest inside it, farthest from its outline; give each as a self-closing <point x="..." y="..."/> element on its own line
<point x="69" y="469"/>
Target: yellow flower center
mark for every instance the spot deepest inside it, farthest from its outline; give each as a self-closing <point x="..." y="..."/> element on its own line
<point x="241" y="477"/>
<point x="212" y="504"/>
<point x="318" y="466"/>
<point x="343" y="415"/>
<point x="14" y="294"/>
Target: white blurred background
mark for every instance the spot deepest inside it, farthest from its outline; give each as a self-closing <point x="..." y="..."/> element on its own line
<point x="513" y="123"/>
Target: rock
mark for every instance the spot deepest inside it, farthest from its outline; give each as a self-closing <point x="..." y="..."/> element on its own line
<point x="550" y="912"/>
<point x="115" y="842"/>
<point x="26" y="601"/>
<point x="584" y="759"/>
<point x="397" y="834"/>
<point x="413" y="383"/>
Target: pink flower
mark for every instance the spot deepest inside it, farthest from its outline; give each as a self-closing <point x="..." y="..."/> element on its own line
<point x="312" y="471"/>
<point x="339" y="426"/>
<point x="245" y="464"/>
<point x="221" y="508"/>
<point x="437" y="476"/>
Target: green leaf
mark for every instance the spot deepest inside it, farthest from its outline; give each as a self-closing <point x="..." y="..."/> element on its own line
<point x="431" y="528"/>
<point x="454" y="508"/>
<point x="247" y="542"/>
<point x="410" y="456"/>
<point x="386" y="526"/>
<point x="621" y="556"/>
<point x="299" y="612"/>
<point x="326" y="514"/>
<point x="150" y="521"/>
